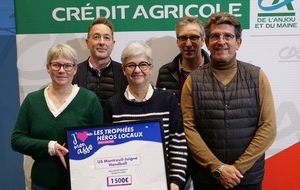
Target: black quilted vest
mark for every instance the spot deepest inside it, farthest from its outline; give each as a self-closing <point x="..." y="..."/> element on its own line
<point x="227" y="116"/>
<point x="102" y="86"/>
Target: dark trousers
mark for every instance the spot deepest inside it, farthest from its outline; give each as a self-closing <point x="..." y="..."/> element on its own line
<point x="188" y="172"/>
<point x="200" y="186"/>
<point x="35" y="187"/>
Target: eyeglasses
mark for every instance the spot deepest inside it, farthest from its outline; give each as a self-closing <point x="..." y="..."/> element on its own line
<point x="217" y="37"/>
<point x="67" y="66"/>
<point x="185" y="38"/>
<point x="131" y="66"/>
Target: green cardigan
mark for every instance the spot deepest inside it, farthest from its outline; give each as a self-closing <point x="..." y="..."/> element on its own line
<point x="36" y="126"/>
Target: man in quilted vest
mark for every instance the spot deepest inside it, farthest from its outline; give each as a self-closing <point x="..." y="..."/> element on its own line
<point x="228" y="112"/>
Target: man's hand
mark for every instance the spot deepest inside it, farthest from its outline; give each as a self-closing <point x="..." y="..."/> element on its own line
<point x="61" y="151"/>
<point x="230" y="176"/>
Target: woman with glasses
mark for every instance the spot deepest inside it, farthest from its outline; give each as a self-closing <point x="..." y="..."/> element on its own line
<point x="141" y="101"/>
<point x="45" y="113"/>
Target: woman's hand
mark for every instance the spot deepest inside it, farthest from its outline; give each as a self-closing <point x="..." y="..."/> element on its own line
<point x="174" y="186"/>
<point x="61" y="151"/>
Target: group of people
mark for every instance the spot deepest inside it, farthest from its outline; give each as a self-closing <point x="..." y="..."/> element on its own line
<point x="218" y="112"/>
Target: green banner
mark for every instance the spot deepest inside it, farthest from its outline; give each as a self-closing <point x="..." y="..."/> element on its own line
<point x="74" y="16"/>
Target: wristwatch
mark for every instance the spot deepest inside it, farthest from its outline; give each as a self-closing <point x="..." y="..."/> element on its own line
<point x="218" y="172"/>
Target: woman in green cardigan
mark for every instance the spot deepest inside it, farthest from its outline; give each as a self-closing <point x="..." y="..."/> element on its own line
<point x="45" y="113"/>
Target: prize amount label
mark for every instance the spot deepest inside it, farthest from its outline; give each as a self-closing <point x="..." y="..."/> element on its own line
<point x="119" y="180"/>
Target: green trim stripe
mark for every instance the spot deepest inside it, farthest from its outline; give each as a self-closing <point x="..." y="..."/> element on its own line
<point x="275" y="14"/>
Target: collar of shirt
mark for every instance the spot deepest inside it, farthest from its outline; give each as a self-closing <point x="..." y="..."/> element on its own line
<point x="96" y="70"/>
<point x="56" y="111"/>
<point x="130" y="97"/>
<point x="183" y="71"/>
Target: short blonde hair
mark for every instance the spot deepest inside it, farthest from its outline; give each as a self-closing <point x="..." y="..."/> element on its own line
<point x="62" y="50"/>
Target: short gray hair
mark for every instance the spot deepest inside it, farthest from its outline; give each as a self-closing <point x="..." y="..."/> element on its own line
<point x="137" y="49"/>
<point x="183" y="21"/>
